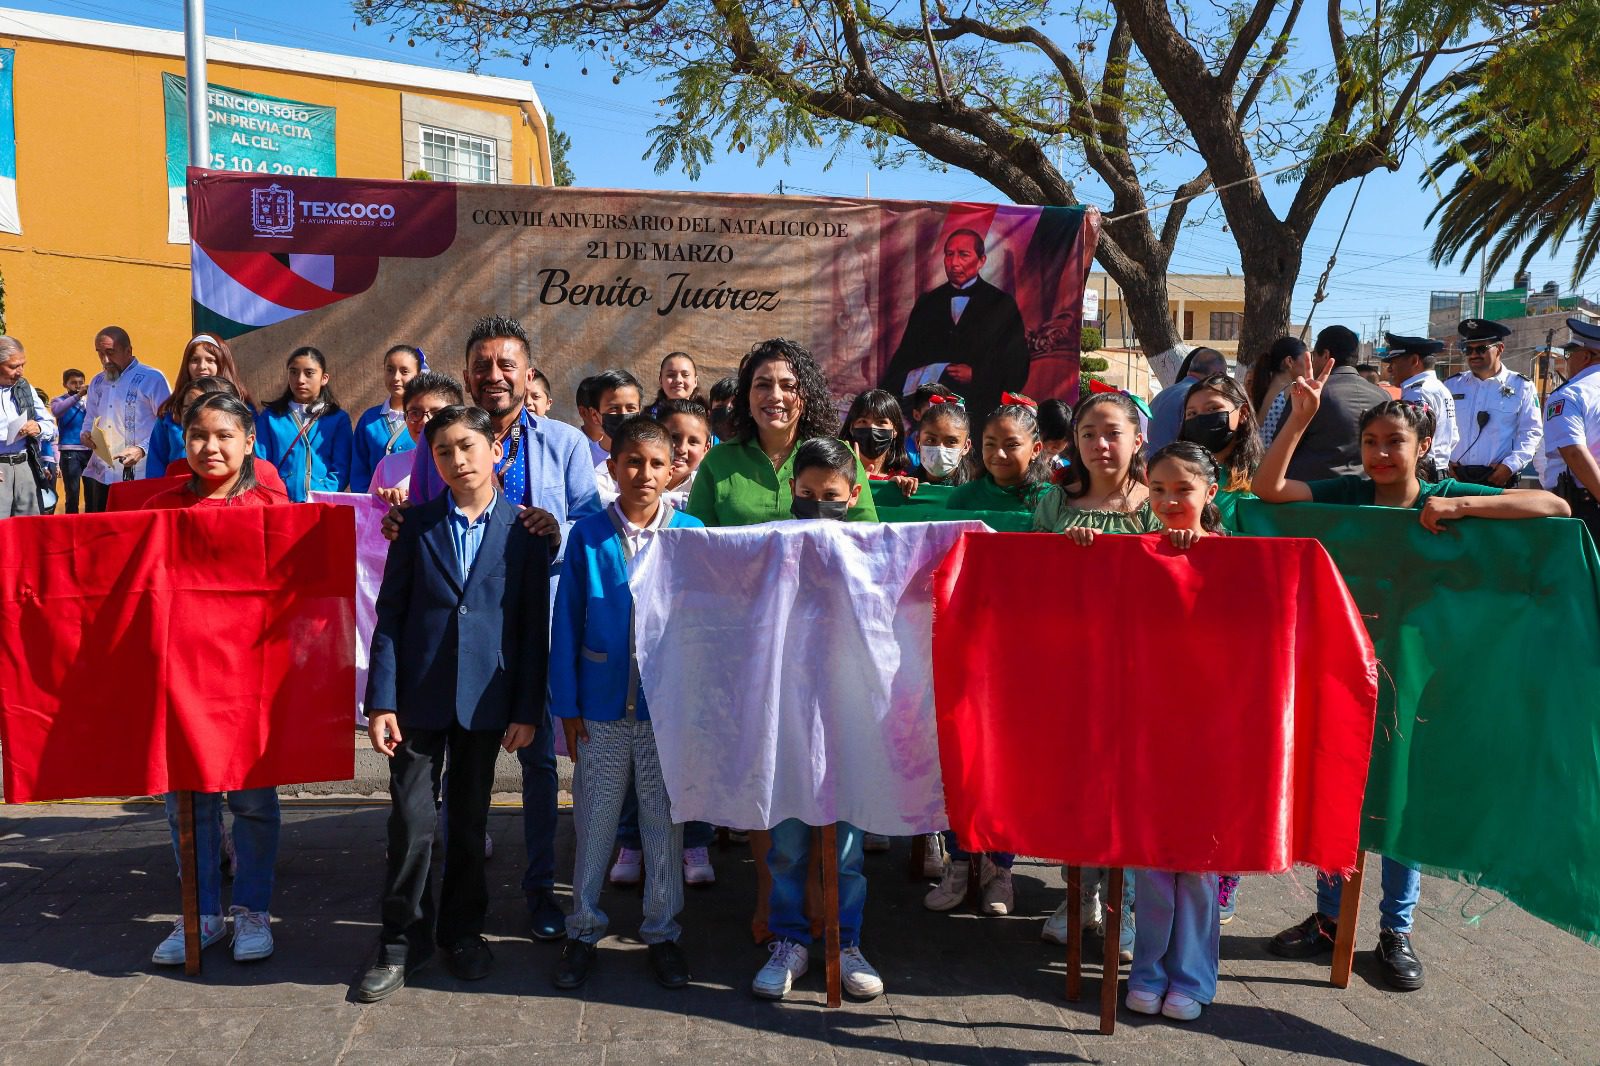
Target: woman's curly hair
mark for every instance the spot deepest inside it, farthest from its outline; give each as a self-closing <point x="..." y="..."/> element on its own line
<point x="817" y="415"/>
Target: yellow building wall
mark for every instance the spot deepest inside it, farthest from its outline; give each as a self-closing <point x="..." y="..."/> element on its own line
<point x="92" y="193"/>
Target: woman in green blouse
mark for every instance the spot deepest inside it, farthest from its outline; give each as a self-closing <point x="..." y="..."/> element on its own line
<point x="782" y="402"/>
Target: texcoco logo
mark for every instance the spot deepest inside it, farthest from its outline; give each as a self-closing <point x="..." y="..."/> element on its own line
<point x="272" y="211"/>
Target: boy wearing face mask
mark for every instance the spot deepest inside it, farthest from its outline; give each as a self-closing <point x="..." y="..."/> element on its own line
<point x="617" y="396"/>
<point x="824" y="486"/>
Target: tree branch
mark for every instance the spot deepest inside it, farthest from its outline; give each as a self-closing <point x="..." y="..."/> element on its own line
<point x="1248" y="34"/>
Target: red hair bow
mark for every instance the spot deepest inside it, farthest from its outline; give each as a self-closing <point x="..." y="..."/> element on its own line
<point x="1017" y="398"/>
<point x="937" y="398"/>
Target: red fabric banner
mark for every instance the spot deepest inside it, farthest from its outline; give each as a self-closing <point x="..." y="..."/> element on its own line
<point x="150" y="651"/>
<point x="1130" y="704"/>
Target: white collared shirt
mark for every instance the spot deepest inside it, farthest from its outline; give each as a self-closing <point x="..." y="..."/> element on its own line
<point x="1427" y="388"/>
<point x="124" y="411"/>
<point x="958" y="304"/>
<point x="640" y="537"/>
<point x="1571" y="417"/>
<point x="1511" y="433"/>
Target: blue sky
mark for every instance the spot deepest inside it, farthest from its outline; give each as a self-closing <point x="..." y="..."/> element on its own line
<point x="1383" y="266"/>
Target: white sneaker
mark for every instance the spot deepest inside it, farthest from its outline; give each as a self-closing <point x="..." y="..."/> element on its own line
<point x="873" y="843"/>
<point x="1143" y="1002"/>
<point x="488" y="847"/>
<point x="999" y="898"/>
<point x="933" y="856"/>
<point x="170" y="952"/>
<point x="1055" y="927"/>
<point x="629" y="867"/>
<point x="252" y="934"/>
<point x="697" y="867"/>
<point x="788" y="963"/>
<point x="952" y="887"/>
<point x="860" y="980"/>
<point x="1180" y="1008"/>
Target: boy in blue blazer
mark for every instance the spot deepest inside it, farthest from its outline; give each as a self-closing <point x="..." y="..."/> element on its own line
<point x="595" y="692"/>
<point x="458" y="665"/>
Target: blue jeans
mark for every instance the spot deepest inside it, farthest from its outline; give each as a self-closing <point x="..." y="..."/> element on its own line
<point x="256" y="821"/>
<point x="1003" y="859"/>
<point x="695" y="834"/>
<point x="789" y="860"/>
<point x="1402" y="886"/>
<point x="1179" y="934"/>
<point x="538" y="761"/>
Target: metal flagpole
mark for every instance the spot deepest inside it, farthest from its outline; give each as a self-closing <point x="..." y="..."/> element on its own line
<point x="194" y="53"/>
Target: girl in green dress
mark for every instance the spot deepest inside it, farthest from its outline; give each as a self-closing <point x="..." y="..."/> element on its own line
<point x="1103" y="492"/>
<point x="1015" y="473"/>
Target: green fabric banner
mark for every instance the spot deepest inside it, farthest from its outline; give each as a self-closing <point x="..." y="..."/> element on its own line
<point x="928" y="505"/>
<point x="1486" y="755"/>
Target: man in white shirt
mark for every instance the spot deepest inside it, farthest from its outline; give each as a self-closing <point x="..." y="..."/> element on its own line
<point x="1572" y="428"/>
<point x="1498" y="431"/>
<point x="24" y="422"/>
<point x="1409" y="362"/>
<point x="121" y="410"/>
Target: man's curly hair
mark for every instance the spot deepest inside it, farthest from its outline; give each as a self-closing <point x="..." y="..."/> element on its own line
<point x="817" y="415"/>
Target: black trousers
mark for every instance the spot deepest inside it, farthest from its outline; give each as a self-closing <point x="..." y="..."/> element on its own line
<point x="410" y="925"/>
<point x="94" y="496"/>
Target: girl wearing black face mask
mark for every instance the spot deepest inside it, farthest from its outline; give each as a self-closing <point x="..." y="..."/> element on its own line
<point x="1218" y="417"/>
<point x="876" y="428"/>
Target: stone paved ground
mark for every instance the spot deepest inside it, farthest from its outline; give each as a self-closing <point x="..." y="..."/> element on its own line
<point x="87" y="891"/>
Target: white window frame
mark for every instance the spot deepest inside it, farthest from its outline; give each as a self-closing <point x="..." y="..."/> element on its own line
<point x="449" y="145"/>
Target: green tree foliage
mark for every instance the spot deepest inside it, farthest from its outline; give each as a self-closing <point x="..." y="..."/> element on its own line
<point x="1090" y="340"/>
<point x="1145" y="103"/>
<point x="1523" y="141"/>
<point x="560" y="145"/>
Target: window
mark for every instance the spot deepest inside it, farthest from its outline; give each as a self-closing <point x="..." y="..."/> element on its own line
<point x="451" y="156"/>
<point x="1188" y="325"/>
<point x="1225" y="325"/>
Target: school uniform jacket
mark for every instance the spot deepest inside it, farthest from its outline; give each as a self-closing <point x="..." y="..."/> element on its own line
<point x="591" y="636"/>
<point x="472" y="652"/>
<point x="375" y="437"/>
<point x="318" y="461"/>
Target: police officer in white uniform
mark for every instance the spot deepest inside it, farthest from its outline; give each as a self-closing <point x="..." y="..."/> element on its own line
<point x="1498" y="431"/>
<point x="1409" y="362"/>
<point x="1572" y="428"/>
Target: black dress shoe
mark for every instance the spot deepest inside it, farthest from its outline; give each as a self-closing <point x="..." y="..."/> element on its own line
<point x="1310" y="938"/>
<point x="573" y="970"/>
<point x="1401" y="967"/>
<point x="380" y="982"/>
<point x="469" y="960"/>
<point x="549" y="920"/>
<point x="668" y="964"/>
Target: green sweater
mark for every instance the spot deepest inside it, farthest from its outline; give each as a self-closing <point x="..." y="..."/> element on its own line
<point x="736" y="486"/>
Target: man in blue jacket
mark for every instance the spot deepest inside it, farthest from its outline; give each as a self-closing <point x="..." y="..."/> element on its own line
<point x="458" y="666"/>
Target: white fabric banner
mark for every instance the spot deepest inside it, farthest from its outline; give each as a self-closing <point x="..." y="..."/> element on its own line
<point x="372" y="551"/>
<point x="788" y="669"/>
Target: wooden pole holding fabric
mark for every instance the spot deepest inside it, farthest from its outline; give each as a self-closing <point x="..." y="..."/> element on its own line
<point x="826" y="840"/>
<point x="1344" y="940"/>
<point x="919" y="857"/>
<point x="189" y="873"/>
<point x="1111" y="972"/>
<point x="1074" y="933"/>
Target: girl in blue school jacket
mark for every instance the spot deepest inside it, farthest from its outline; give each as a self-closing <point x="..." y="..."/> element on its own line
<point x="307" y="435"/>
<point x="381" y="430"/>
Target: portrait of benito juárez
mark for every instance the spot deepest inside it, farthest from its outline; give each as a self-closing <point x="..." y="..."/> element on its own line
<point x="967" y="334"/>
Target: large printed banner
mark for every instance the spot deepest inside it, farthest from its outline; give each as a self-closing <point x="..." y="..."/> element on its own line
<point x="10" y="219"/>
<point x="204" y="649"/>
<point x="249" y="132"/>
<point x="983" y="297"/>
